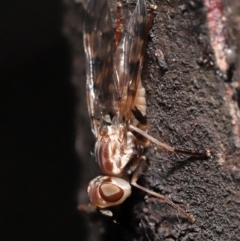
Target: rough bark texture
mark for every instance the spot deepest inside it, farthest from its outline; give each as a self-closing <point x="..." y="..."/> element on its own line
<point x="192" y="105"/>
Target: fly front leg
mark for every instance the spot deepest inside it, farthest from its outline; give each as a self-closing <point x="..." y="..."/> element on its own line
<point x="87" y="208"/>
<point x="140" y="165"/>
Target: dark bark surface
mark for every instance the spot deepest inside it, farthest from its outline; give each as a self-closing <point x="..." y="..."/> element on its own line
<point x="192" y="104"/>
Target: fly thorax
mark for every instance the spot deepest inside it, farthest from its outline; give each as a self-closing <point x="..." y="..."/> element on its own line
<point x="113" y="150"/>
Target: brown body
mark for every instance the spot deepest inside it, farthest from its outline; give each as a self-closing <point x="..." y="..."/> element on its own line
<point x="116" y="97"/>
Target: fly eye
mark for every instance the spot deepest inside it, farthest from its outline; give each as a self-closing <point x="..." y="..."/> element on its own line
<point x="110" y="192"/>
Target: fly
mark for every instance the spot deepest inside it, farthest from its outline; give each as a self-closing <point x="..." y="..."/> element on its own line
<point x="117" y="103"/>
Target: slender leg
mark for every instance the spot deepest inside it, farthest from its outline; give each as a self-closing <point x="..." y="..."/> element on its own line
<point x="87" y="208"/>
<point x="141" y="125"/>
<point x="151" y="17"/>
<point x="141" y="163"/>
<point x="149" y="25"/>
<point x="206" y="153"/>
<point x="118" y="24"/>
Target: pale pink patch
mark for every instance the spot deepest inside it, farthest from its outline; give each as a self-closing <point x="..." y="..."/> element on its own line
<point x="215" y="20"/>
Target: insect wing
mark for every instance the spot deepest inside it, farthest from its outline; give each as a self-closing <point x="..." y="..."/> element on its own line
<point x="134" y="43"/>
<point x="98" y="36"/>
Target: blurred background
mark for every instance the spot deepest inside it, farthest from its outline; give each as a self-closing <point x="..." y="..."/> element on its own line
<point x="39" y="168"/>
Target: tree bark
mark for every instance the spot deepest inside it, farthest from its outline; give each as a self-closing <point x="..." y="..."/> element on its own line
<point x="191" y="75"/>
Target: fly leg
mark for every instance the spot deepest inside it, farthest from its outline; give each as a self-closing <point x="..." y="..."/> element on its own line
<point x="160" y="144"/>
<point x="140" y="165"/>
<point x="149" y="24"/>
<point x="141" y="125"/>
<point x="87" y="208"/>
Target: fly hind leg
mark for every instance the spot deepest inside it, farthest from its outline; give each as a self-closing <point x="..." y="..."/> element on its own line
<point x="140" y="165"/>
<point x="142" y="124"/>
<point x="160" y="144"/>
<point x="149" y="24"/>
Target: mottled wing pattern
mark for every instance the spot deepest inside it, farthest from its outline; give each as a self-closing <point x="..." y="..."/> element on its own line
<point x="99" y="49"/>
<point x="134" y="44"/>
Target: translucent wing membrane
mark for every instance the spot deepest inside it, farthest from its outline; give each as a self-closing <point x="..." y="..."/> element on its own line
<point x="99" y="48"/>
<point x="134" y="45"/>
<point x="113" y="74"/>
